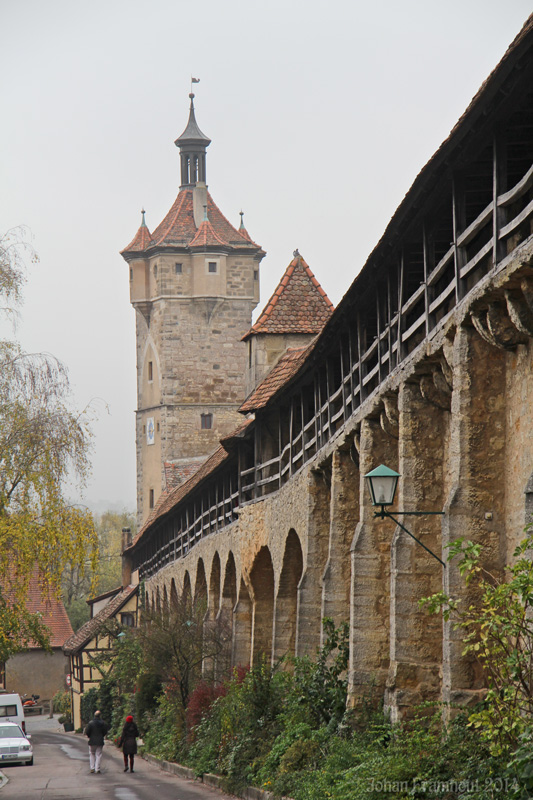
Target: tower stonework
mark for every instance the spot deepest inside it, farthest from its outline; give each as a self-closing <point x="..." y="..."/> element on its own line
<point x="194" y="283"/>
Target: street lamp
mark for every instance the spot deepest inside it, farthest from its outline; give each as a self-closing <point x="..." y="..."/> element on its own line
<point x="382" y="482"/>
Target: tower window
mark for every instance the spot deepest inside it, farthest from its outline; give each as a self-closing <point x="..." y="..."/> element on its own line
<point x="206" y="421"/>
<point x="151" y="498"/>
<point x="179" y="268"/>
<point x="155" y="270"/>
<point x="256" y="274"/>
<point x="150" y="371"/>
<point x="212" y="266"/>
<point x="131" y="274"/>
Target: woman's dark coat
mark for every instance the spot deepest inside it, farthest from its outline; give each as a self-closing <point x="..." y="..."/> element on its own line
<point x="128" y="740"/>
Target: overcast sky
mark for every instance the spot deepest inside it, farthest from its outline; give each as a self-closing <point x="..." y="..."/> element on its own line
<point x="321" y="114"/>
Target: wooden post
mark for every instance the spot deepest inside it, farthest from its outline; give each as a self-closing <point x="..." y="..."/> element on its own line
<point x="459" y="223"/>
<point x="499" y="182"/>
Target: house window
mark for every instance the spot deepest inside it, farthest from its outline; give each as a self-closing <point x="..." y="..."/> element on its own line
<point x="150" y="371"/>
<point x="127" y="620"/>
<point x="212" y="267"/>
<point x="179" y="268"/>
<point x="151" y="504"/>
<point x="206" y="421"/>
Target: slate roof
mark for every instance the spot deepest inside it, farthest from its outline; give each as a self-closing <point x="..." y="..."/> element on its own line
<point x="81" y="638"/>
<point x="299" y="304"/>
<point x="287" y="366"/>
<point x="192" y="132"/>
<point x="178" y="229"/>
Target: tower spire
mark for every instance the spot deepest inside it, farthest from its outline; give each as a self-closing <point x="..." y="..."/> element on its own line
<point x="192" y="145"/>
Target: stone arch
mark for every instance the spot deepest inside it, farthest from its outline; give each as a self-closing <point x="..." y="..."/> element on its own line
<point x="173" y="595"/>
<point x="158" y="601"/>
<point x="242" y="627"/>
<point x="286" y="611"/>
<point x="187" y="592"/>
<point x="165" y="607"/>
<point x="229" y="588"/>
<point x="200" y="587"/>
<point x="214" y="586"/>
<point x="262" y="580"/>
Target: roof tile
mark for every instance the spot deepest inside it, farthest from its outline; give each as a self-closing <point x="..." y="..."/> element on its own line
<point x="287" y="366"/>
<point x="299" y="304"/>
<point x="79" y="639"/>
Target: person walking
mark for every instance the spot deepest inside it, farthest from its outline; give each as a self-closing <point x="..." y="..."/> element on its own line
<point x="128" y="742"/>
<point x="96" y="730"/>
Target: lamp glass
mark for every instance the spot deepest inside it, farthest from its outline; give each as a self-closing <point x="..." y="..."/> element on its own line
<point x="382" y="483"/>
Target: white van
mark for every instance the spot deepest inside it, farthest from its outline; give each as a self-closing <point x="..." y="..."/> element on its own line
<point x="12" y="710"/>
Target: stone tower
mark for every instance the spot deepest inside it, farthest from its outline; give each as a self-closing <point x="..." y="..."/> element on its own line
<point x="194" y="283"/>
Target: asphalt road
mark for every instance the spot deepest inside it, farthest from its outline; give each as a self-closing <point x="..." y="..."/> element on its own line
<point x="61" y="771"/>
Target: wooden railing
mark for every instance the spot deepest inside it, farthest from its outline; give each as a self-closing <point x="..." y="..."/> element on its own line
<point x="367" y="353"/>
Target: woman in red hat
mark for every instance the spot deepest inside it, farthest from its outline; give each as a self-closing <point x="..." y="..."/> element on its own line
<point x="128" y="742"/>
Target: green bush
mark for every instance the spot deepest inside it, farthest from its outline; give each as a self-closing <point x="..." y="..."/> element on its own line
<point x="89" y="704"/>
<point x="62" y="704"/>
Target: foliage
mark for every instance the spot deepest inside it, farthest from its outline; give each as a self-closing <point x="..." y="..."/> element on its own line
<point x="42" y="444"/>
<point x="165" y="736"/>
<point x="201" y="700"/>
<point x="321" y="686"/>
<point x="76" y="583"/>
<point x="89" y="704"/>
<point x="498" y="632"/>
<point x="149" y="689"/>
<point x="61" y="703"/>
<point x="177" y="642"/>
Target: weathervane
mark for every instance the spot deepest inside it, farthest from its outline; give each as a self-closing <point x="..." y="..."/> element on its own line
<point x="194" y="80"/>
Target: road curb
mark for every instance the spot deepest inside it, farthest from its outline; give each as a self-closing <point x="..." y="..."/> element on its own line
<point x="213" y="781"/>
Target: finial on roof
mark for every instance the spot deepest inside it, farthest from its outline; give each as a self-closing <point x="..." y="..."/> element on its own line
<point x="143" y="223"/>
<point x="296" y="253"/>
<point x="241" y="226"/>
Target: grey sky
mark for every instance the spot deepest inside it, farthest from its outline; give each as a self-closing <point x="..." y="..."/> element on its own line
<point x="320" y="114"/>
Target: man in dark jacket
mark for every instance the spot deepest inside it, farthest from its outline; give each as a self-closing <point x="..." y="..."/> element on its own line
<point x="96" y="730"/>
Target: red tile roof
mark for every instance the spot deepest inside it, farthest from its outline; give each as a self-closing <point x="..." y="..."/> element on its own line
<point x="286" y="368"/>
<point x="299" y="304"/>
<point x="207" y="236"/>
<point x="178" y="229"/>
<point x="171" y="498"/>
<point x="82" y="637"/>
<point x="178" y="473"/>
<point x="141" y="241"/>
<point x="52" y="612"/>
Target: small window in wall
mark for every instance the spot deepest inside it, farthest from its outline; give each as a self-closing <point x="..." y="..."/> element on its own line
<point x="127" y="620"/>
<point x="212" y="267"/>
<point x="131" y="274"/>
<point x="158" y="427"/>
<point x="179" y="268"/>
<point x="151" y="498"/>
<point x="206" y="421"/>
<point x="256" y="274"/>
<point x="150" y="371"/>
<point x="155" y="270"/>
